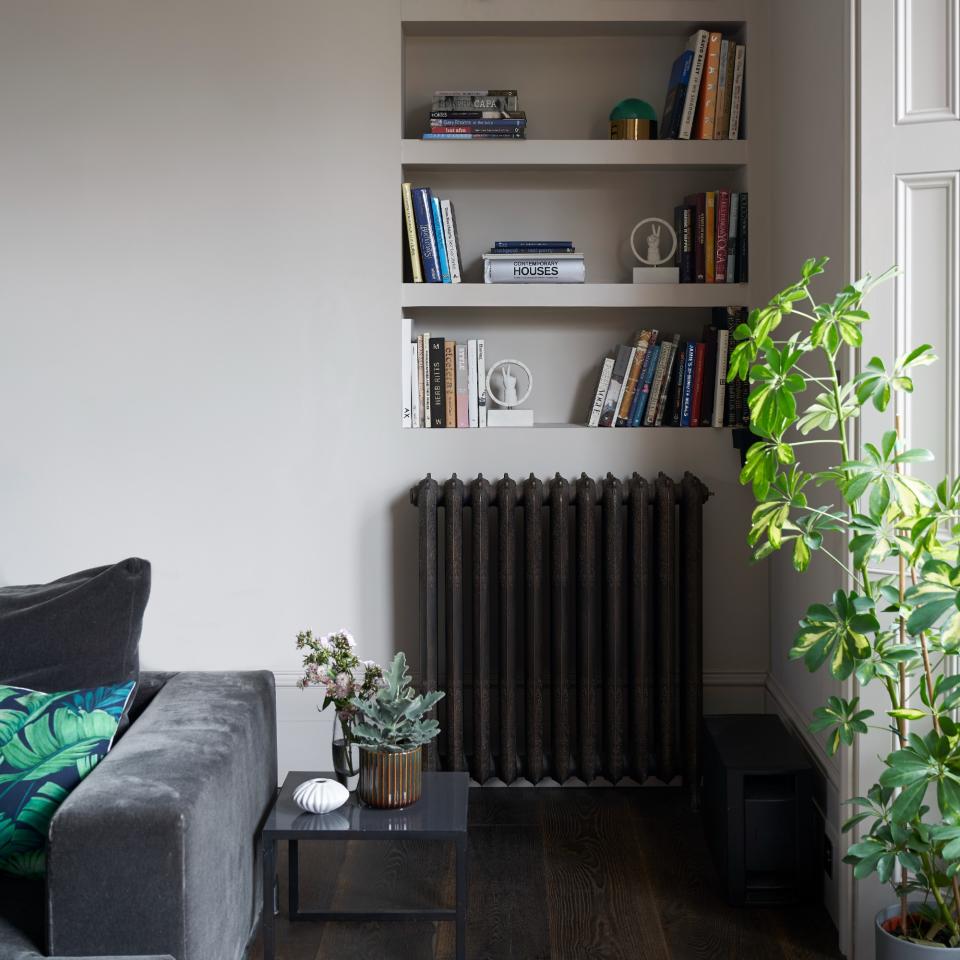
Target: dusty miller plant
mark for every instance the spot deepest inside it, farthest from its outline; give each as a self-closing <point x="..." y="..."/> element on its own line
<point x="393" y="719"/>
<point x="899" y="630"/>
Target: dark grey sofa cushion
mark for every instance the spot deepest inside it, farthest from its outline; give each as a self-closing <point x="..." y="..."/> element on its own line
<point x="80" y="631"/>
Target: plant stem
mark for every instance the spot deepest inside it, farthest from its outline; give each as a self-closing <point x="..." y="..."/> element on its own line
<point x="945" y="912"/>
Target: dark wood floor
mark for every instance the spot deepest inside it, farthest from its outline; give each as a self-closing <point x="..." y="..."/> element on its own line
<point x="574" y="873"/>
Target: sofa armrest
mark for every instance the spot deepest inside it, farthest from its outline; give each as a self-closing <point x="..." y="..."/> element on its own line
<point x="156" y="851"/>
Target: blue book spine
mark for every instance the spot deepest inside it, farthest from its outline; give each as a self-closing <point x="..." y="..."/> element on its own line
<point x="643" y="387"/>
<point x="682" y="84"/>
<point x="635" y="403"/>
<point x="441" y="243"/>
<point x="688" y="365"/>
<point x="423" y="217"/>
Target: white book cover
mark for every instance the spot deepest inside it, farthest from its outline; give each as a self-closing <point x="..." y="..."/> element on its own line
<point x="406" y="331"/>
<point x="736" y="97"/>
<point x="547" y="270"/>
<point x="425" y="340"/>
<point x="481" y="385"/>
<point x="450" y="239"/>
<point x="420" y="394"/>
<point x="473" y="395"/>
<point x="416" y="416"/>
<point x="601" y="393"/>
<point x="698" y="44"/>
<point x="720" y="387"/>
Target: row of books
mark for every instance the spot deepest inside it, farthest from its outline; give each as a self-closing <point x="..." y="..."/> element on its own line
<point x="433" y="244"/>
<point x="476" y="115"/>
<point x="705" y="93"/>
<point x="656" y="381"/>
<point x="533" y="261"/>
<point x="712" y="237"/>
<point x="443" y="383"/>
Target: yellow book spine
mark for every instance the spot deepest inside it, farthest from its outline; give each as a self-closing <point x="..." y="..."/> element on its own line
<point x="408" y="219"/>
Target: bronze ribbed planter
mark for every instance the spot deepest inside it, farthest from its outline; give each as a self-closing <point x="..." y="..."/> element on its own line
<point x="390" y="780"/>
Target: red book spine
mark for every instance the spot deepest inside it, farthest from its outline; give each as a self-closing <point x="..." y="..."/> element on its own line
<point x="697" y="384"/>
<point x="723" y="234"/>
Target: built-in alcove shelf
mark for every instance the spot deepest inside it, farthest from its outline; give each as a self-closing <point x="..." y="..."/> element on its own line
<point x="427" y="155"/>
<point x="574" y="295"/>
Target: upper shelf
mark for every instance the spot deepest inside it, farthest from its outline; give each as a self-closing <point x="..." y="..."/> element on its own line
<point x="582" y="295"/>
<point x="573" y="154"/>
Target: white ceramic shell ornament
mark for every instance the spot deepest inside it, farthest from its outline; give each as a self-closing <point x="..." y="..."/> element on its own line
<point x="320" y="795"/>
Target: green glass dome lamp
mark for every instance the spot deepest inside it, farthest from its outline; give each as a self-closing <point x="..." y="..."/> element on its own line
<point x="633" y="119"/>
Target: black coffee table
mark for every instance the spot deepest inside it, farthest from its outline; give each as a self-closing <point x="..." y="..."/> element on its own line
<point x="440" y="814"/>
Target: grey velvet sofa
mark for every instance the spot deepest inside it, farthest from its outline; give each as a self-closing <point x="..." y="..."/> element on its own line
<point x="154" y="855"/>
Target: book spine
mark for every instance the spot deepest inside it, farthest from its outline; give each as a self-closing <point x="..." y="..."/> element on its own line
<point x="720" y="389"/>
<point x="707" y="104"/>
<point x="477" y="123"/>
<point x="423" y="215"/>
<point x="406" y="331"/>
<point x="743" y="247"/>
<point x="486" y="135"/>
<point x="611" y="402"/>
<point x="450" y="240"/>
<point x="463" y="390"/>
<point x="527" y="251"/>
<point x="549" y="270"/>
<point x="450" y="383"/>
<point x="468" y="101"/>
<point x="732" y="239"/>
<point x="736" y="97"/>
<point x="688" y="365"/>
<point x="477" y="115"/>
<point x="422" y="391"/>
<point x="653" y="354"/>
<point x="473" y="395"/>
<point x="698" y="201"/>
<point x="723" y="232"/>
<point x="530" y="244"/>
<point x="427" y="380"/>
<point x="441" y="245"/>
<point x="710" y="236"/>
<point x="636" y="407"/>
<point x="709" y="376"/>
<point x="666" y="394"/>
<point x="657" y="384"/>
<point x="481" y="383"/>
<point x="698" y="44"/>
<point x="632" y="381"/>
<point x="695" y="401"/>
<point x="411" y="225"/>
<point x="602" y="384"/>
<point x="720" y="130"/>
<point x="437" y="386"/>
<point x="621" y="419"/>
<point x="416" y="414"/>
<point x="679" y="381"/>
<point x="688" y="257"/>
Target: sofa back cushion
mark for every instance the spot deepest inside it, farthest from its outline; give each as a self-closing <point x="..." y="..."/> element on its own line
<point x="48" y="743"/>
<point x="80" y="631"/>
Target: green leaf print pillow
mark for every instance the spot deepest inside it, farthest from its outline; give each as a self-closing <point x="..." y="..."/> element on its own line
<point x="48" y="743"/>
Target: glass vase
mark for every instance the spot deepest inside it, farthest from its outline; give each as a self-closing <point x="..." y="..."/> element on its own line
<point x="346" y="754"/>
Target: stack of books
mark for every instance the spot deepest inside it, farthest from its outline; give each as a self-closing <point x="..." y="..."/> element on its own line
<point x="712" y="237"/>
<point x="443" y="382"/>
<point x="476" y="115"/>
<point x="433" y="244"/>
<point x="705" y="93"/>
<point x="663" y="381"/>
<point x="533" y="261"/>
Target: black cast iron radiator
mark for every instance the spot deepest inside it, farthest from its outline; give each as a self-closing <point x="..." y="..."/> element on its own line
<point x="564" y="619"/>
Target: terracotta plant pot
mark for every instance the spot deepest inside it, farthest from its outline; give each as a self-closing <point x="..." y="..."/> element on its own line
<point x="390" y="780"/>
<point x="892" y="947"/>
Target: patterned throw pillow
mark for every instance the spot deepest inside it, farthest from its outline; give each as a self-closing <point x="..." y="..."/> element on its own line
<point x="48" y="743"/>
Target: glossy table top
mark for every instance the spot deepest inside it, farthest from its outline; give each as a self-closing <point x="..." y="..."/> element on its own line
<point x="440" y="811"/>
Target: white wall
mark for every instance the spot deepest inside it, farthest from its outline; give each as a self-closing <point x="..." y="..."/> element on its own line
<point x="199" y="267"/>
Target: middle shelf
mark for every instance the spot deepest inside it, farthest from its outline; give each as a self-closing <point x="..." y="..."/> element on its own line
<point x="574" y="295"/>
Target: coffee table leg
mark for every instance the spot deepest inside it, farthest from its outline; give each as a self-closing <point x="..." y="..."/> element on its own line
<point x="293" y="848"/>
<point x="267" y="923"/>
<point x="462" y="898"/>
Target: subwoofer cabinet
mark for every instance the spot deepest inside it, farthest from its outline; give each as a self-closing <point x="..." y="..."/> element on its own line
<point x="758" y="810"/>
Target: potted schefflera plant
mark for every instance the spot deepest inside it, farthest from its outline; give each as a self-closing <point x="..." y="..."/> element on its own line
<point x="391" y="728"/>
<point x="900" y="630"/>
